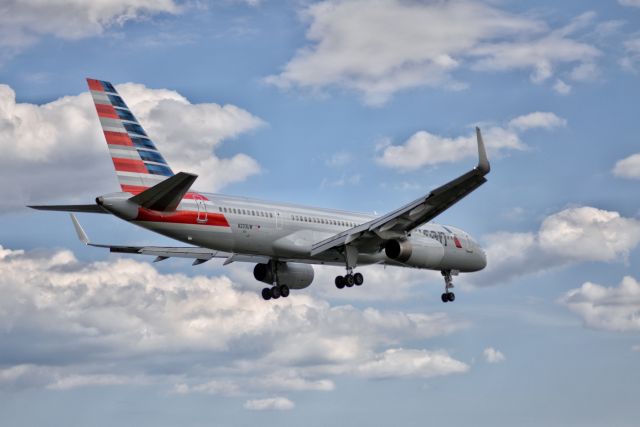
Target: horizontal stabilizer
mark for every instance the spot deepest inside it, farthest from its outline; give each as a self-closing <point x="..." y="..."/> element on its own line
<point x="70" y="208"/>
<point x="166" y="195"/>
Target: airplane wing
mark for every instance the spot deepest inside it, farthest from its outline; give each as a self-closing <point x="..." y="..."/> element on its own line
<point x="161" y="253"/>
<point x="398" y="223"/>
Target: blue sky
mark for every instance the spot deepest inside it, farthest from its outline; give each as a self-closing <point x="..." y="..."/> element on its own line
<point x="351" y="104"/>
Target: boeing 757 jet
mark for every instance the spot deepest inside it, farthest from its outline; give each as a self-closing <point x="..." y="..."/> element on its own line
<point x="282" y="240"/>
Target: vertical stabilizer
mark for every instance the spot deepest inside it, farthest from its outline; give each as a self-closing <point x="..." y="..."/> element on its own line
<point x="138" y="163"/>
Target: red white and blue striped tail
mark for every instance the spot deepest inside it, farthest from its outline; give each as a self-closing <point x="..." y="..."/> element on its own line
<point x="139" y="165"/>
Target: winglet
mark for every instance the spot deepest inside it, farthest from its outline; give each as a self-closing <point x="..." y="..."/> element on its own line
<point x="483" y="162"/>
<point x="81" y="234"/>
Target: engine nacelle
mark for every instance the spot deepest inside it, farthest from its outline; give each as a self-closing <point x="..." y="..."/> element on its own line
<point x="421" y="253"/>
<point x="295" y="276"/>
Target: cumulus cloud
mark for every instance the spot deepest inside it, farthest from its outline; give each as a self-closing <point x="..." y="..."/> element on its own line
<point x="573" y="235"/>
<point x="424" y="148"/>
<point x="628" y="167"/>
<point x="631" y="57"/>
<point x="561" y="87"/>
<point x="607" y="308"/>
<point x="271" y="403"/>
<point x="57" y="150"/>
<point x="537" y="120"/>
<point x="410" y="363"/>
<point x="62" y="319"/>
<point x="382" y="46"/>
<point x="23" y="22"/>
<point x="633" y="3"/>
<point x="491" y="355"/>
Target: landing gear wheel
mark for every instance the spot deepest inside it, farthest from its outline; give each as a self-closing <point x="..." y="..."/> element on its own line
<point x="275" y="292"/>
<point x="349" y="280"/>
<point x="340" y="282"/>
<point x="445" y="298"/>
<point x="266" y="294"/>
<point x="284" y="291"/>
<point x="451" y="297"/>
<point x="358" y="279"/>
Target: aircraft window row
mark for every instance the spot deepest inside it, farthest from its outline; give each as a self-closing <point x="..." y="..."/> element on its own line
<point x="303" y="218"/>
<point x="251" y="212"/>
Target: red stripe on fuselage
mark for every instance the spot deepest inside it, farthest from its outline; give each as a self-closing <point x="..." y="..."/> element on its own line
<point x="106" y="111"/>
<point x="95" y="85"/>
<point x="182" y="217"/>
<point x="117" y="138"/>
<point x="129" y="165"/>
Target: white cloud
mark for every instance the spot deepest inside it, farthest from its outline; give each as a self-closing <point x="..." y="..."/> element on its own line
<point x="24" y="22"/>
<point x="631" y="58"/>
<point x="537" y="120"/>
<point x="378" y="47"/>
<point x="636" y="348"/>
<point x="424" y="148"/>
<point x="410" y="363"/>
<point x="607" y="308"/>
<point x="491" y="355"/>
<point x="573" y="235"/>
<point x="561" y="87"/>
<point x="195" y="334"/>
<point x="57" y="150"/>
<point x="633" y="3"/>
<point x="339" y="159"/>
<point x="271" y="403"/>
<point x="628" y="167"/>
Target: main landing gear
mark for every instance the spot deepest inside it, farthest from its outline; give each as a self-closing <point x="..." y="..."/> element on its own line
<point x="349" y="280"/>
<point x="448" y="296"/>
<point x="275" y="292"/>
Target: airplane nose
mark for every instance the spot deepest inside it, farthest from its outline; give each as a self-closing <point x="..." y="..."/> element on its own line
<point x="482" y="262"/>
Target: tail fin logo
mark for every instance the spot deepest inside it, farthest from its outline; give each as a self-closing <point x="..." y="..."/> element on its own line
<point x="138" y="163"/>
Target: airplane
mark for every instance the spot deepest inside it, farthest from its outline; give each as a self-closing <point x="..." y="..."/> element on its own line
<point x="283" y="240"/>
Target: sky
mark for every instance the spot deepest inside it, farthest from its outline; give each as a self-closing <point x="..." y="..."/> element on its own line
<point x="360" y="105"/>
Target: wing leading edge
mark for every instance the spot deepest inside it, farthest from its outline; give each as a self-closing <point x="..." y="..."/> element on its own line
<point x="401" y="221"/>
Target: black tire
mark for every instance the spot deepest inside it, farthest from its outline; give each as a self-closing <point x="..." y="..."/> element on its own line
<point x="340" y="282"/>
<point x="444" y="297"/>
<point x="266" y="294"/>
<point x="275" y="292"/>
<point x="451" y="297"/>
<point x="284" y="291"/>
<point x="358" y="279"/>
<point x="349" y="282"/>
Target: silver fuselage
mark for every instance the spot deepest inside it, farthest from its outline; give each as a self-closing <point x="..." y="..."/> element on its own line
<point x="287" y="232"/>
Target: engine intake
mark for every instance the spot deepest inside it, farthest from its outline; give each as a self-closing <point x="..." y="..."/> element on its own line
<point x="294" y="275"/>
<point x="421" y="253"/>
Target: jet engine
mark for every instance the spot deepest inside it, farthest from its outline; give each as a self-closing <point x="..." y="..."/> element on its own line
<point x="422" y="253"/>
<point x="294" y="275"/>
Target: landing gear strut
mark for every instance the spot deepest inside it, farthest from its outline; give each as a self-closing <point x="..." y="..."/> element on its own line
<point x="275" y="292"/>
<point x="448" y="296"/>
<point x="350" y="254"/>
